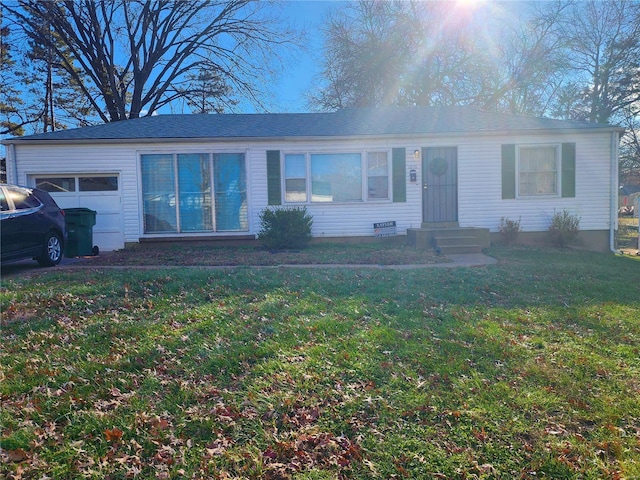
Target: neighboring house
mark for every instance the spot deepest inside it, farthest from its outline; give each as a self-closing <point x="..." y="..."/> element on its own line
<point x="628" y="200"/>
<point x="204" y="176"/>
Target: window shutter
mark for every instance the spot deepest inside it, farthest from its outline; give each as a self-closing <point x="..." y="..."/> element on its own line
<point x="399" y="170"/>
<point x="568" y="169"/>
<point x="509" y="171"/>
<point x="274" y="186"/>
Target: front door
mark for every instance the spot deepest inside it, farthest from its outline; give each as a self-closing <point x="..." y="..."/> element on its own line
<point x="440" y="184"/>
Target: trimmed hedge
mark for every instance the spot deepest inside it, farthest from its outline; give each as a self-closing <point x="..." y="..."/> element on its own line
<point x="285" y="228"/>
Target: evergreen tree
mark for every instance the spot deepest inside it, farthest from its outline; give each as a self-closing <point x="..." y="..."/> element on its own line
<point x="207" y="92"/>
<point x="10" y="98"/>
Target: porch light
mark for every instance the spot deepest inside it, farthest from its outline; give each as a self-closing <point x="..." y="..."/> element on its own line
<point x="416" y="154"/>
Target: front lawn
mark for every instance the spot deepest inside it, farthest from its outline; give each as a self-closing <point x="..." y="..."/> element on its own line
<point x="381" y="251"/>
<point x="526" y="369"/>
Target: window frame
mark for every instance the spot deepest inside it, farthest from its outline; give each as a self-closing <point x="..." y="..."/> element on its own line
<point x="388" y="176"/>
<point x="77" y="185"/>
<point x="211" y="159"/>
<point x="364" y="177"/>
<point x="87" y="177"/>
<point x="31" y="202"/>
<point x="558" y="170"/>
<point x="285" y="177"/>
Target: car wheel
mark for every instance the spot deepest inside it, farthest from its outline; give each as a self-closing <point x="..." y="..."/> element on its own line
<point x="52" y="253"/>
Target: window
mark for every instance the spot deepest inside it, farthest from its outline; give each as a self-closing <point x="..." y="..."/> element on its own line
<point x="229" y="174"/>
<point x="377" y="176"/>
<point x="195" y="192"/>
<point x="336" y="177"/>
<point x="159" y="194"/>
<point x="295" y="178"/>
<point x="101" y="183"/>
<point x="56" y="184"/>
<point x="22" y="198"/>
<point x="531" y="181"/>
<point x="4" y="205"/>
<point x="538" y="171"/>
<point x="98" y="184"/>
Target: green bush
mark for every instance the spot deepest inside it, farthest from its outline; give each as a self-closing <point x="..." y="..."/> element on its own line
<point x="509" y="230"/>
<point x="564" y="228"/>
<point x="285" y="228"/>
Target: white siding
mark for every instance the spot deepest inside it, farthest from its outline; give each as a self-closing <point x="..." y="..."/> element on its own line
<point x="480" y="185"/>
<point x="347" y="219"/>
<point x="33" y="160"/>
<point x="480" y="202"/>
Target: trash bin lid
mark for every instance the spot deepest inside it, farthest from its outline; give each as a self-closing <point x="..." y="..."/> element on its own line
<point x="80" y="210"/>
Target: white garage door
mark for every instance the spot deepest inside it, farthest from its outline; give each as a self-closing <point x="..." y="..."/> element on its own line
<point x="99" y="192"/>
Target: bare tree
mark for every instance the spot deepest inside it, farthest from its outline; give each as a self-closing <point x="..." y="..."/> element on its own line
<point x="366" y="52"/>
<point x="525" y="62"/>
<point x="630" y="144"/>
<point x="132" y="57"/>
<point x="437" y="53"/>
<point x="397" y="53"/>
<point x="604" y="57"/>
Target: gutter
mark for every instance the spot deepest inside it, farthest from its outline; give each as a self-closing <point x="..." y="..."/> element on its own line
<point x="51" y="140"/>
<point x="613" y="210"/>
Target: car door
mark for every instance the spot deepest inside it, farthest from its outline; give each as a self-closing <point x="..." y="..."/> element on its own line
<point x="21" y="231"/>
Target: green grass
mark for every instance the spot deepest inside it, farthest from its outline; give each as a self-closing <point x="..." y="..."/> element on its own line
<point x="526" y="369"/>
<point x="383" y="251"/>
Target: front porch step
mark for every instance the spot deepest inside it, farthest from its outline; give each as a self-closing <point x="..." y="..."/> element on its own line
<point x="449" y="239"/>
<point x="455" y="240"/>
<point x="456" y="249"/>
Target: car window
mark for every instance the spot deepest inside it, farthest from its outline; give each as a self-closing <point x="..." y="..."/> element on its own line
<point x="4" y="205"/>
<point x="22" y="198"/>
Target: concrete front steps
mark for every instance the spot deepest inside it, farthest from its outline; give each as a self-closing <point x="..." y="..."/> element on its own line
<point x="449" y="238"/>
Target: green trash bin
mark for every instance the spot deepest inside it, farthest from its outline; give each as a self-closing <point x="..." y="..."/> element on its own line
<point x="79" y="222"/>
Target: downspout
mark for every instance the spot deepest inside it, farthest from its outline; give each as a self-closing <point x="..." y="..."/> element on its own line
<point x="613" y="220"/>
<point x="12" y="173"/>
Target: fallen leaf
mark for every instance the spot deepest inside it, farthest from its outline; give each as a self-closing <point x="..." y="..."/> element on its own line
<point x="16" y="456"/>
<point x="113" y="435"/>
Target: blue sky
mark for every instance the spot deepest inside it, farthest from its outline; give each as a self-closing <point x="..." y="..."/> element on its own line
<point x="298" y="79"/>
<point x="311" y="14"/>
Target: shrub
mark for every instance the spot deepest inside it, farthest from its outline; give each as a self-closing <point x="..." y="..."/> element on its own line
<point x="564" y="228"/>
<point x="285" y="228"/>
<point x="509" y="230"/>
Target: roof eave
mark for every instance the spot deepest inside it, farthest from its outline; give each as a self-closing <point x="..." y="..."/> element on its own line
<point x="252" y="139"/>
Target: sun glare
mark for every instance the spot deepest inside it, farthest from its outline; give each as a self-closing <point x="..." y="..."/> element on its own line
<point x="468" y="4"/>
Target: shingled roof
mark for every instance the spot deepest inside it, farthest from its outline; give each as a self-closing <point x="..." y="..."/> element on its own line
<point x="350" y="122"/>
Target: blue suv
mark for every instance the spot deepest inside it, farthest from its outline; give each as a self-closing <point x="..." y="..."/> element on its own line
<point x="31" y="225"/>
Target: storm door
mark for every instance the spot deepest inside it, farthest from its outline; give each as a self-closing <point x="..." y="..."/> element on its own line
<point x="440" y="184"/>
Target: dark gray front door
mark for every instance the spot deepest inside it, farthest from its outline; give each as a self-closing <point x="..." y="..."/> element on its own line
<point x="439" y="184"/>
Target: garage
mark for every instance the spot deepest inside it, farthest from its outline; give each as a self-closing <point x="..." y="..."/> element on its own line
<point x="97" y="191"/>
